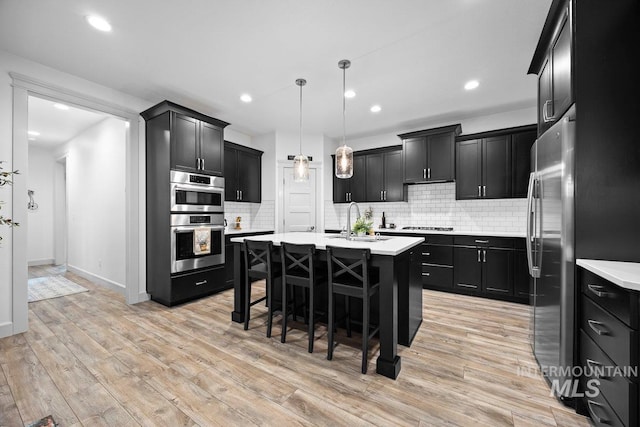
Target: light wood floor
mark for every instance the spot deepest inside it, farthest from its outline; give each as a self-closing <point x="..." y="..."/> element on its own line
<point x="90" y="359"/>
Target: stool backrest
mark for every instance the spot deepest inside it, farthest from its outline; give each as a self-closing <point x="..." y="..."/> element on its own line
<point x="257" y="253"/>
<point x="298" y="259"/>
<point x="347" y="264"/>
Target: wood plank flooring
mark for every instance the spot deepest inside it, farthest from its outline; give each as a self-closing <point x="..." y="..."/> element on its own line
<point x="91" y="359"/>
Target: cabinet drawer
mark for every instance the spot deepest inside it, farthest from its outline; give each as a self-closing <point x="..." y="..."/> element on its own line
<point x="614" y="337"/>
<point x="494" y="242"/>
<point x="437" y="239"/>
<point x="435" y="254"/>
<point x="600" y="410"/>
<point x="617" y="390"/>
<point x="194" y="285"/>
<point x="618" y="301"/>
<point x="440" y="277"/>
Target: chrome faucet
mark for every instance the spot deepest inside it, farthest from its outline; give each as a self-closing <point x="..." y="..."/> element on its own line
<point x="349" y="237"/>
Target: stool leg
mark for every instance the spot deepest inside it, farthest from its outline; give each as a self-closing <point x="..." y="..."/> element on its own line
<point x="285" y="303"/>
<point x="269" y="306"/>
<point x="365" y="332"/>
<point x="311" y="317"/>
<point x="247" y="301"/>
<point x="347" y="305"/>
<point x="331" y="324"/>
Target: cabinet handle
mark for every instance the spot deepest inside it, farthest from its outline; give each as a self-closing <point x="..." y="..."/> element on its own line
<point x="482" y="241"/>
<point x="464" y="285"/>
<point x="479" y="191"/>
<point x="593" y="325"/>
<point x="426" y="253"/>
<point x="201" y="164"/>
<point x="478" y="255"/>
<point x="545" y="111"/>
<point x="429" y="173"/>
<point x="595" y="369"/>
<point x="484" y="255"/>
<point x="201" y="283"/>
<point x="237" y="194"/>
<point x="385" y="195"/>
<point x="241" y="197"/>
<point x="596" y="289"/>
<point x="424" y="174"/>
<point x="426" y="274"/>
<point x="598" y="419"/>
<point x="484" y="191"/>
<point x="381" y="196"/>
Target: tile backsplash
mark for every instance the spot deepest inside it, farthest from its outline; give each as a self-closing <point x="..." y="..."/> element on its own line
<point x="254" y="215"/>
<point x="436" y="205"/>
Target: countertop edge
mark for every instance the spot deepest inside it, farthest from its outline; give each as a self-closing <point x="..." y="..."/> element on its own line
<point x="624" y="274"/>
<point x="511" y="234"/>
<point x="233" y="232"/>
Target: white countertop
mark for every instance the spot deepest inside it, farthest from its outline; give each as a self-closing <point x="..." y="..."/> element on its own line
<point x="624" y="274"/>
<point x="393" y="246"/>
<point x="454" y="232"/>
<point x="232" y="231"/>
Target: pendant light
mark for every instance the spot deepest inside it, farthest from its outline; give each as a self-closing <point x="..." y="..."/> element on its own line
<point x="301" y="162"/>
<point x="344" y="154"/>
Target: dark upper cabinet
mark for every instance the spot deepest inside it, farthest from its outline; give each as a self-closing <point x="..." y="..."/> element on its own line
<point x="243" y="173"/>
<point x="196" y="140"/>
<point x="428" y="155"/>
<point x="494" y="165"/>
<point x="377" y="177"/>
<point x="350" y="189"/>
<point x="521" y="144"/>
<point x="555" y="92"/>
<point x="469" y="170"/>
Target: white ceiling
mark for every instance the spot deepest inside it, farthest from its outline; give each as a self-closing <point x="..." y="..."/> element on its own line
<point x="57" y="126"/>
<point x="412" y="57"/>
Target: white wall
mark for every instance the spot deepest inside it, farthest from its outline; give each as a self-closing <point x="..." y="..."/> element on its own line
<point x="96" y="201"/>
<point x="40" y="235"/>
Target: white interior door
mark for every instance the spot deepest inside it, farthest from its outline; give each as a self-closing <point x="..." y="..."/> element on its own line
<point x="299" y="212"/>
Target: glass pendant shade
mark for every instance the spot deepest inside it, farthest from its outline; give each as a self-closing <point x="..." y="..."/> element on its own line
<point x="344" y="154"/>
<point x="344" y="162"/>
<point x="301" y="162"/>
<point x="300" y="168"/>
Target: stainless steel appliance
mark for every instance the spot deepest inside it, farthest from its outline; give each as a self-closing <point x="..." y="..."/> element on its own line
<point x="196" y="193"/>
<point x="550" y="249"/>
<point x="183" y="232"/>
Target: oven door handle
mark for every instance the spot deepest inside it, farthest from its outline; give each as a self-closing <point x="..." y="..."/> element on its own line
<point x="198" y="188"/>
<point x="192" y="228"/>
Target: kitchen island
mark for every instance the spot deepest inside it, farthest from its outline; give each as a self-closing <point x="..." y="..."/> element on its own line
<point x="400" y="295"/>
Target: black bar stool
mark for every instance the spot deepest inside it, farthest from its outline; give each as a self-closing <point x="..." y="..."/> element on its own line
<point x="258" y="261"/>
<point x="299" y="268"/>
<point x="351" y="275"/>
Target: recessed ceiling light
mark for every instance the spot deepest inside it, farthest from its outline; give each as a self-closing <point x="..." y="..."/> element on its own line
<point x="99" y="23"/>
<point x="61" y="106"/>
<point x="245" y="97"/>
<point x="375" y="109"/>
<point x="471" y="84"/>
<point x="349" y="94"/>
<point x="33" y="133"/>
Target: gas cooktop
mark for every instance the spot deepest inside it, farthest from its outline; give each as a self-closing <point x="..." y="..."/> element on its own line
<point x="429" y="228"/>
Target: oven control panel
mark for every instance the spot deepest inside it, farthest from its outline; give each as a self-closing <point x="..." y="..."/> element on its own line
<point x="199" y="179"/>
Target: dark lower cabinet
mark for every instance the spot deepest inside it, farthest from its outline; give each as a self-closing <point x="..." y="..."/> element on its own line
<point x="608" y="346"/>
<point x="491" y="267"/>
<point x="194" y="285"/>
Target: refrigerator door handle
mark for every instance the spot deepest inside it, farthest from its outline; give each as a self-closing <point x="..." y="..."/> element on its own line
<point x="534" y="271"/>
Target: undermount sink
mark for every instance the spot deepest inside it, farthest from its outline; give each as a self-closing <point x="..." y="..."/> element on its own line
<point x="360" y="238"/>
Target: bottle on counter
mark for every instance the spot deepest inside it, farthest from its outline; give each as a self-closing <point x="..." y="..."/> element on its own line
<point x="384" y="221"/>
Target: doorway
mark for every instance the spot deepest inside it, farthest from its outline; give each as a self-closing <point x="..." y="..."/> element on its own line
<point x="299" y="211"/>
<point x="76" y="176"/>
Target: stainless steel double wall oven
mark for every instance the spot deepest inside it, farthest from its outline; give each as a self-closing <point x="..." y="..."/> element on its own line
<point x="197" y="213"/>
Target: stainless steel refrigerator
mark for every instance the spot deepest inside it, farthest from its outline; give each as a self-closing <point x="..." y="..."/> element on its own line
<point x="550" y="248"/>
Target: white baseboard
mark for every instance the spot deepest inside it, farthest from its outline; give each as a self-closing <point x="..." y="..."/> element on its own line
<point x="45" y="261"/>
<point x="143" y="296"/>
<point x="6" y="329"/>
<point x="99" y="280"/>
